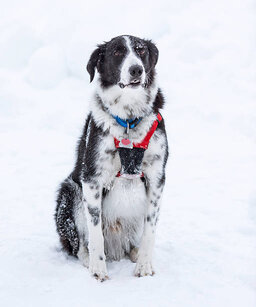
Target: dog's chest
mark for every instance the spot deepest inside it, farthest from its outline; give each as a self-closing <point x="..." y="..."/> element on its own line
<point x="125" y="200"/>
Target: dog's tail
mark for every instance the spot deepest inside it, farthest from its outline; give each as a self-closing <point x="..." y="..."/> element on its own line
<point x="68" y="195"/>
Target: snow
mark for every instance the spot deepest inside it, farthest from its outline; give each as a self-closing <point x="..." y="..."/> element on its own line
<point x="205" y="248"/>
<point x="47" y="67"/>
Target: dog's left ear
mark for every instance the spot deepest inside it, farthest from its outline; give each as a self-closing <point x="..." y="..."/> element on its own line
<point x="153" y="52"/>
<point x="96" y="60"/>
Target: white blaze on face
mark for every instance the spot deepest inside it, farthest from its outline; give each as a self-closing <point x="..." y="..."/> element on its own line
<point x="130" y="60"/>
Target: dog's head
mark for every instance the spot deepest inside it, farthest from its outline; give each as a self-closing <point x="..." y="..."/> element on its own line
<point x="126" y="67"/>
<point x="126" y="61"/>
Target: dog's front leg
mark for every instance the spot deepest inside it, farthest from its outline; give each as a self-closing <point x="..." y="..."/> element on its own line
<point x="92" y="202"/>
<point x="144" y="259"/>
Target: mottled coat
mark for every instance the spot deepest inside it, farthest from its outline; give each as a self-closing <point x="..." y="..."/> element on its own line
<point x="100" y="216"/>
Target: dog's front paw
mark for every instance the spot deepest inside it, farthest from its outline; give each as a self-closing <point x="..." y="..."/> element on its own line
<point x="98" y="270"/>
<point x="144" y="269"/>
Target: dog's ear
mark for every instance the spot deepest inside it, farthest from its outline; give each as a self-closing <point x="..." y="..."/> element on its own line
<point x="96" y="60"/>
<point x="153" y="53"/>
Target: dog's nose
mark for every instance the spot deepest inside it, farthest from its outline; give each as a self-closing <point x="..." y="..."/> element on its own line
<point x="136" y="71"/>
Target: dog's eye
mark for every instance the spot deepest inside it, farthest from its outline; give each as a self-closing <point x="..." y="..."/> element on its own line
<point x="140" y="50"/>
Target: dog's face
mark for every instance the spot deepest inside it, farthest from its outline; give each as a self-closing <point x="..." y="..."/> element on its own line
<point x="125" y="61"/>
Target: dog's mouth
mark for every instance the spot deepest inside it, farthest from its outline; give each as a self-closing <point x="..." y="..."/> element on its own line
<point x="132" y="84"/>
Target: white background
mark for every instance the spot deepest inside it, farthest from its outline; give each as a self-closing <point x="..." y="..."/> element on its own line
<point x="206" y="247"/>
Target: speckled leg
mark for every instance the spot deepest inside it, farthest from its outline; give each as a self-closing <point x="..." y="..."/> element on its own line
<point x="92" y="203"/>
<point x="144" y="262"/>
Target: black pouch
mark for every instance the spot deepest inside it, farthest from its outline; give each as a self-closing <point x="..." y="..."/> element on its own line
<point x="131" y="160"/>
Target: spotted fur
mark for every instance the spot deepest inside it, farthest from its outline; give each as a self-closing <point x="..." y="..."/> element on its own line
<point x="100" y="216"/>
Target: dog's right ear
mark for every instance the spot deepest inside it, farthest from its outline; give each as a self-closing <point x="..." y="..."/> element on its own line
<point x="96" y="60"/>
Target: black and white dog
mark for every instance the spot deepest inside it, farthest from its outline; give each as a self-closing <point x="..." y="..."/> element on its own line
<point x="108" y="206"/>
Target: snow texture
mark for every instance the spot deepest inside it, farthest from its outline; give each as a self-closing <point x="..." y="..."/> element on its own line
<point x="205" y="251"/>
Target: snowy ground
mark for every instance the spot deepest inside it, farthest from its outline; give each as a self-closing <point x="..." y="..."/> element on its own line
<point x="206" y="241"/>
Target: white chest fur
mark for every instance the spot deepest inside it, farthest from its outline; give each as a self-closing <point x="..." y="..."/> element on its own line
<point x="125" y="200"/>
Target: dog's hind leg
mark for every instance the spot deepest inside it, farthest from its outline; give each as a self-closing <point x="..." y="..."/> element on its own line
<point x="81" y="225"/>
<point x="83" y="254"/>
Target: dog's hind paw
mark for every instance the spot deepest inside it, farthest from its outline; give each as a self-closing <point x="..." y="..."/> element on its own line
<point x="144" y="269"/>
<point x="83" y="256"/>
<point x="134" y="254"/>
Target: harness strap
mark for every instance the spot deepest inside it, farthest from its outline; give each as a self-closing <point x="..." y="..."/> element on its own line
<point x="130" y="176"/>
<point x="145" y="142"/>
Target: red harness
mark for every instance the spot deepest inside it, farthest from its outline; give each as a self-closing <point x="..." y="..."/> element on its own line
<point x="145" y="142"/>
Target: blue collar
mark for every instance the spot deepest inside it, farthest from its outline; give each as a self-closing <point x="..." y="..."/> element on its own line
<point x="133" y="122"/>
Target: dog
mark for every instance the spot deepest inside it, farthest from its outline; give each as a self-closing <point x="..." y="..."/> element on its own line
<point x="108" y="207"/>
